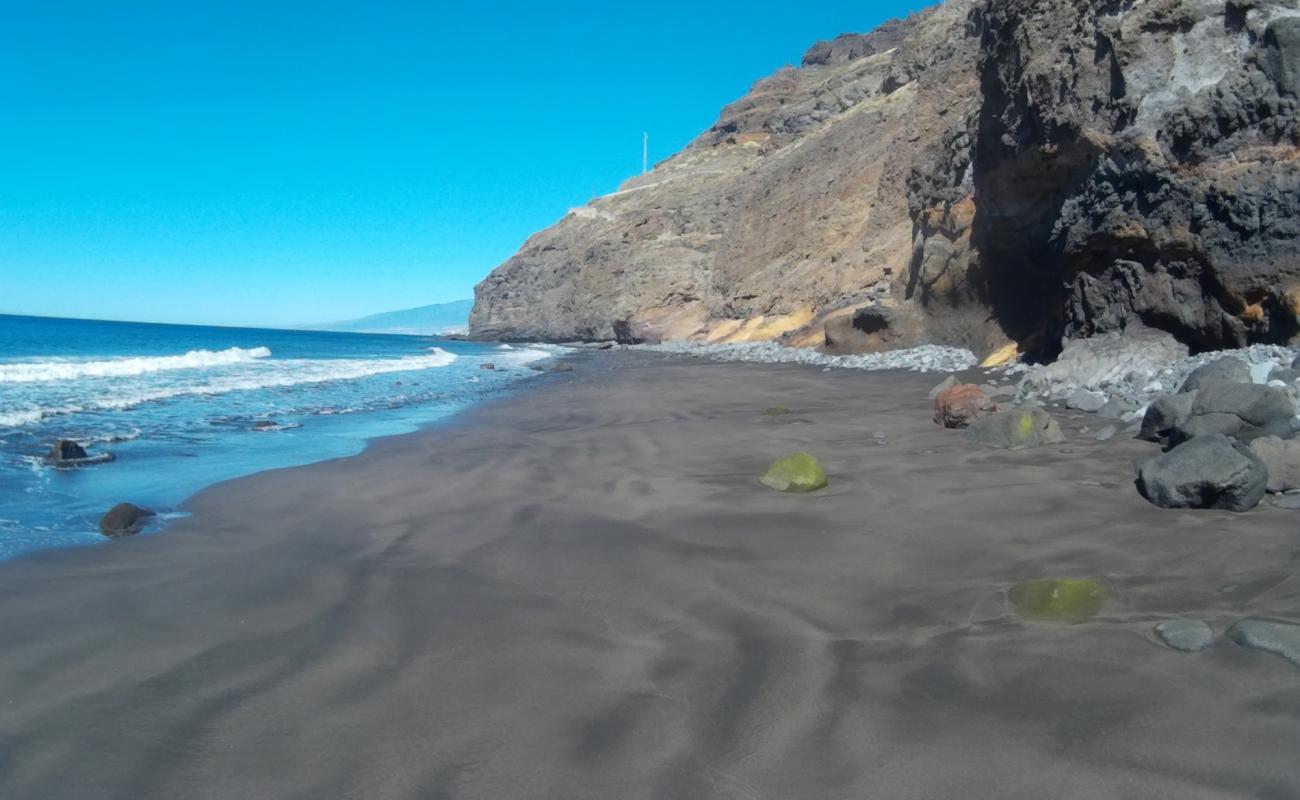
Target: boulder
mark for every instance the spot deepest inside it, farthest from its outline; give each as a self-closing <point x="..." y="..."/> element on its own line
<point x="1210" y="471"/>
<point x="1165" y="413"/>
<point x="1287" y="375"/>
<point x="1188" y="635"/>
<point x="1016" y="429"/>
<point x="1242" y="410"/>
<point x="1275" y="637"/>
<point x="1058" y="599"/>
<point x="67" y="453"/>
<point x="1099" y="361"/>
<point x="1232" y="370"/>
<point x="800" y="472"/>
<point x="1282" y="459"/>
<point x="945" y="384"/>
<point x="960" y="405"/>
<point x="1086" y="400"/>
<point x="123" y="519"/>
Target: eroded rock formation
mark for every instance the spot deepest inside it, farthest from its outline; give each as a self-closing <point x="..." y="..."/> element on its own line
<point x="985" y="171"/>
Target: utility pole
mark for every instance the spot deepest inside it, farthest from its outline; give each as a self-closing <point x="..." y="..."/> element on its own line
<point x="645" y="153"/>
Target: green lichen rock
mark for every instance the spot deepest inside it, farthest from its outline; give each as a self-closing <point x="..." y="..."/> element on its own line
<point x="1058" y="599"/>
<point x="800" y="472"/>
<point x="1020" y="428"/>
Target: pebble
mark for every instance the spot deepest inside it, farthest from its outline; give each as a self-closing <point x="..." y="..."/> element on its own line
<point x="1105" y="433"/>
<point x="1287" y="501"/>
<point x="1275" y="637"/>
<point x="1188" y="635"/>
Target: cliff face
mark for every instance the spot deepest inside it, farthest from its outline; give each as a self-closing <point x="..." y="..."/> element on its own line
<point x="985" y="171"/>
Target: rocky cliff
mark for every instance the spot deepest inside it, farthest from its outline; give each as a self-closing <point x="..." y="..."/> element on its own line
<point x="984" y="172"/>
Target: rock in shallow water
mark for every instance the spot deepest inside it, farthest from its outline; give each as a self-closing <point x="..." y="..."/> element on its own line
<point x="1020" y="428"/>
<point x="1275" y="637"/>
<point x="800" y="472"/>
<point x="1188" y="635"/>
<point x="1058" y="599"/>
<point x="123" y="519"/>
<point x="1206" y="472"/>
<point x="67" y="453"/>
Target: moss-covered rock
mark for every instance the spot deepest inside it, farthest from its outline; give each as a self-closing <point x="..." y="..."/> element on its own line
<point x="1020" y="428"/>
<point x="800" y="472"/>
<point x="1060" y="599"/>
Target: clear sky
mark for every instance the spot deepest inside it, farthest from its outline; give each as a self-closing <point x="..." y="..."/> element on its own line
<point x="270" y="163"/>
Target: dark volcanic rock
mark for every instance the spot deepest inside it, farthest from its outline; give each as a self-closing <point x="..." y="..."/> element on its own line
<point x="1210" y="471"/>
<point x="1242" y="410"/>
<point x="124" y="519"/>
<point x="1165" y="413"/>
<point x="67" y="453"/>
<point x="1232" y="370"/>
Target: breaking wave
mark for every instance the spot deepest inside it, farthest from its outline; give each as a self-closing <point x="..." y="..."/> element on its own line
<point x="63" y="370"/>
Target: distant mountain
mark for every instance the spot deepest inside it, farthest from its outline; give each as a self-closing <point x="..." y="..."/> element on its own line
<point x="438" y="318"/>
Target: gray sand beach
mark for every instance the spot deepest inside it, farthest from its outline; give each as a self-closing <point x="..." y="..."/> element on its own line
<point x="584" y="592"/>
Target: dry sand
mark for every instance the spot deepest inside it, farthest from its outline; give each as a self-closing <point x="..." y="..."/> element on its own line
<point x="585" y="593"/>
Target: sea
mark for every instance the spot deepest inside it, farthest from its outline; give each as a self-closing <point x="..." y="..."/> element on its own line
<point x="181" y="407"/>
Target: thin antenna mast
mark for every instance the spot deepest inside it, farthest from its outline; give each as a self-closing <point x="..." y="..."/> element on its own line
<point x="645" y="153"/>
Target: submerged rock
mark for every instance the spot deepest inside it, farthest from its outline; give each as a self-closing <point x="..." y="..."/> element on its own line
<point x="67" y="453"/>
<point x="1228" y="369"/>
<point x="1282" y="459"/>
<point x="958" y="406"/>
<point x="1281" y="638"/>
<point x="800" y="472"/>
<point x="1206" y="472"/>
<point x="1188" y="635"/>
<point x="487" y="365"/>
<point x="123" y="519"/>
<point x="1059" y="599"/>
<point x="1020" y="428"/>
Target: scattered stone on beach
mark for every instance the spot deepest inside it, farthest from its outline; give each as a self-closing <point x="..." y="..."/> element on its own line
<point x="1188" y="635"/>
<point x="1242" y="410"/>
<point x="958" y="406"/>
<point x="1105" y="433"/>
<point x="1113" y="409"/>
<point x="1016" y="429"/>
<point x="1209" y="471"/>
<point x="800" y="472"/>
<point x="1166" y="412"/>
<point x="1282" y="458"/>
<point x="1085" y="400"/>
<point x="1290" y="502"/>
<point x="123" y="519"/>
<point x="1282" y="638"/>
<point x="487" y="365"/>
<point x="944" y="385"/>
<point x="775" y="411"/>
<point x="563" y="366"/>
<point x="1229" y="369"/>
<point x="66" y="453"/>
<point x="1058" y="599"/>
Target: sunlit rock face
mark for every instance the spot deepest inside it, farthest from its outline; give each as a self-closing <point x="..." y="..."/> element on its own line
<point x="984" y="172"/>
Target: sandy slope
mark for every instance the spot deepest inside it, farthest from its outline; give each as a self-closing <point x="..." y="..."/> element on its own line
<point x="584" y="593"/>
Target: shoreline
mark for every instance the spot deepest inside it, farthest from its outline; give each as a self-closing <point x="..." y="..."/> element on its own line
<point x="581" y="590"/>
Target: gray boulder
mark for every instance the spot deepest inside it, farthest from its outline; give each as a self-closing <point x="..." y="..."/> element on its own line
<point x="1016" y="429"/>
<point x="1165" y="413"/>
<point x="1210" y="471"/>
<point x="123" y="519"/>
<point x="1282" y="458"/>
<point x="944" y="385"/>
<point x="1230" y="369"/>
<point x="1188" y="635"/>
<point x="1243" y="410"/>
<point x="1086" y="400"/>
<point x="1285" y="374"/>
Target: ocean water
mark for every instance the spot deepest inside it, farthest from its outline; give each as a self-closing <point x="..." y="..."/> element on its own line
<point x="182" y="407"/>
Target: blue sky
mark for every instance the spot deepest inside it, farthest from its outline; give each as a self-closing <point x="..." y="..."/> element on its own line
<point x="272" y="163"/>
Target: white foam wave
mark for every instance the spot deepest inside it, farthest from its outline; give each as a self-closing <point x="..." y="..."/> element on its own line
<point x="268" y="375"/>
<point x="63" y="370"/>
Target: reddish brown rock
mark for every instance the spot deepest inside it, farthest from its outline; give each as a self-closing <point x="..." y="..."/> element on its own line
<point x="961" y="405"/>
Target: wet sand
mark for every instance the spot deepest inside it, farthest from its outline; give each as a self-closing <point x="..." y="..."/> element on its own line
<point x="583" y="592"/>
